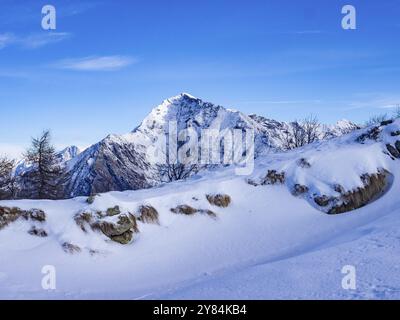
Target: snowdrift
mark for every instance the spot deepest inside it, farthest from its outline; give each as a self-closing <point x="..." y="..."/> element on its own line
<point x="275" y="234"/>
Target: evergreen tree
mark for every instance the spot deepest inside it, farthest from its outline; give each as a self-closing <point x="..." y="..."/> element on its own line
<point x="45" y="173"/>
<point x="6" y="178"/>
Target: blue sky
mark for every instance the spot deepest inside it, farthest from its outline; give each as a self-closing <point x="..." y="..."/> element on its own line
<point x="109" y="63"/>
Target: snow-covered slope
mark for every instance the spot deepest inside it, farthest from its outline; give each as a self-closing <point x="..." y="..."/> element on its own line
<point x="126" y="162"/>
<point x="272" y="240"/>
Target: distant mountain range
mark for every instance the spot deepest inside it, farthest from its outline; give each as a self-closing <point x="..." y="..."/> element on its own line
<point x="123" y="162"/>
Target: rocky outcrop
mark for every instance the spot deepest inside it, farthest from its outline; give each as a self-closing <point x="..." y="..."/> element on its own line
<point x="116" y="226"/>
<point x="9" y="215"/>
<point x="188" y="211"/>
<point x="393" y="151"/>
<point x="397" y="145"/>
<point x="299" y="190"/>
<point x="374" y="185"/>
<point x="371" y="134"/>
<point x="274" y="177"/>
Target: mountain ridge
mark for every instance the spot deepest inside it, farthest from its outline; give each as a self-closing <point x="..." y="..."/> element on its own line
<point x="127" y="161"/>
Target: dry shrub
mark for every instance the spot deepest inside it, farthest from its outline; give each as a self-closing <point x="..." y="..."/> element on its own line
<point x="299" y="190"/>
<point x="148" y="214"/>
<point x="37" y="232"/>
<point x="70" y="248"/>
<point x="188" y="210"/>
<point x="374" y="186"/>
<point x="219" y="200"/>
<point x="274" y="177"/>
<point x="184" y="209"/>
<point x="82" y="219"/>
<point x="303" y="163"/>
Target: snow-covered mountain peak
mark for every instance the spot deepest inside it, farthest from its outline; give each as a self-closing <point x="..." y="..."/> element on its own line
<point x="68" y="153"/>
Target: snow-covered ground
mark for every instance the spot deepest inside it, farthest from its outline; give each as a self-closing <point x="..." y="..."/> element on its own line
<point x="268" y="244"/>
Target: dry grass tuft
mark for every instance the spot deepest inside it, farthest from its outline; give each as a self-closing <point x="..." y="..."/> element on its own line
<point x="148" y="214"/>
<point x="219" y="200"/>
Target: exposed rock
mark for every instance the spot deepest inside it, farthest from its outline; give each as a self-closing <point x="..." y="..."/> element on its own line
<point x="339" y="188"/>
<point x="37" y="215"/>
<point x="70" y="248"/>
<point x="219" y="200"/>
<point x="148" y="214"/>
<point x="9" y="215"/>
<point x="395" y="133"/>
<point x="397" y="145"/>
<point x="37" y="232"/>
<point x="387" y="122"/>
<point x="124" y="238"/>
<point x="120" y="231"/>
<point x="303" y="163"/>
<point x="184" y="209"/>
<point x="299" y="189"/>
<point x="374" y="186"/>
<point x="273" y="177"/>
<point x="125" y="223"/>
<point x="393" y="151"/>
<point x="323" y="201"/>
<point x="252" y="182"/>
<point x="372" y="134"/>
<point x="188" y="210"/>
<point x="90" y="199"/>
<point x="113" y="211"/>
<point x="210" y="213"/>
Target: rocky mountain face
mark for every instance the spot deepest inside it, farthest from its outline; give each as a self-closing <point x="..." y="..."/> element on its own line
<point x="127" y="162"/>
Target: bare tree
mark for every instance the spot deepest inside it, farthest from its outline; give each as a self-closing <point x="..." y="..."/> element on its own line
<point x="311" y="128"/>
<point x="287" y="140"/>
<point x="396" y="113"/>
<point x="169" y="172"/>
<point x="294" y="136"/>
<point x="299" y="134"/>
<point x="377" y="119"/>
<point x="46" y="172"/>
<point x="7" y="181"/>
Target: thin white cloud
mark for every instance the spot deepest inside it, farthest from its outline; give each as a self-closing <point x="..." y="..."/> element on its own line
<point x="32" y="41"/>
<point x="5" y="40"/>
<point x="104" y="63"/>
<point x="375" y="101"/>
<point x="307" y="32"/>
<point x="39" y="40"/>
<point x="283" y="101"/>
